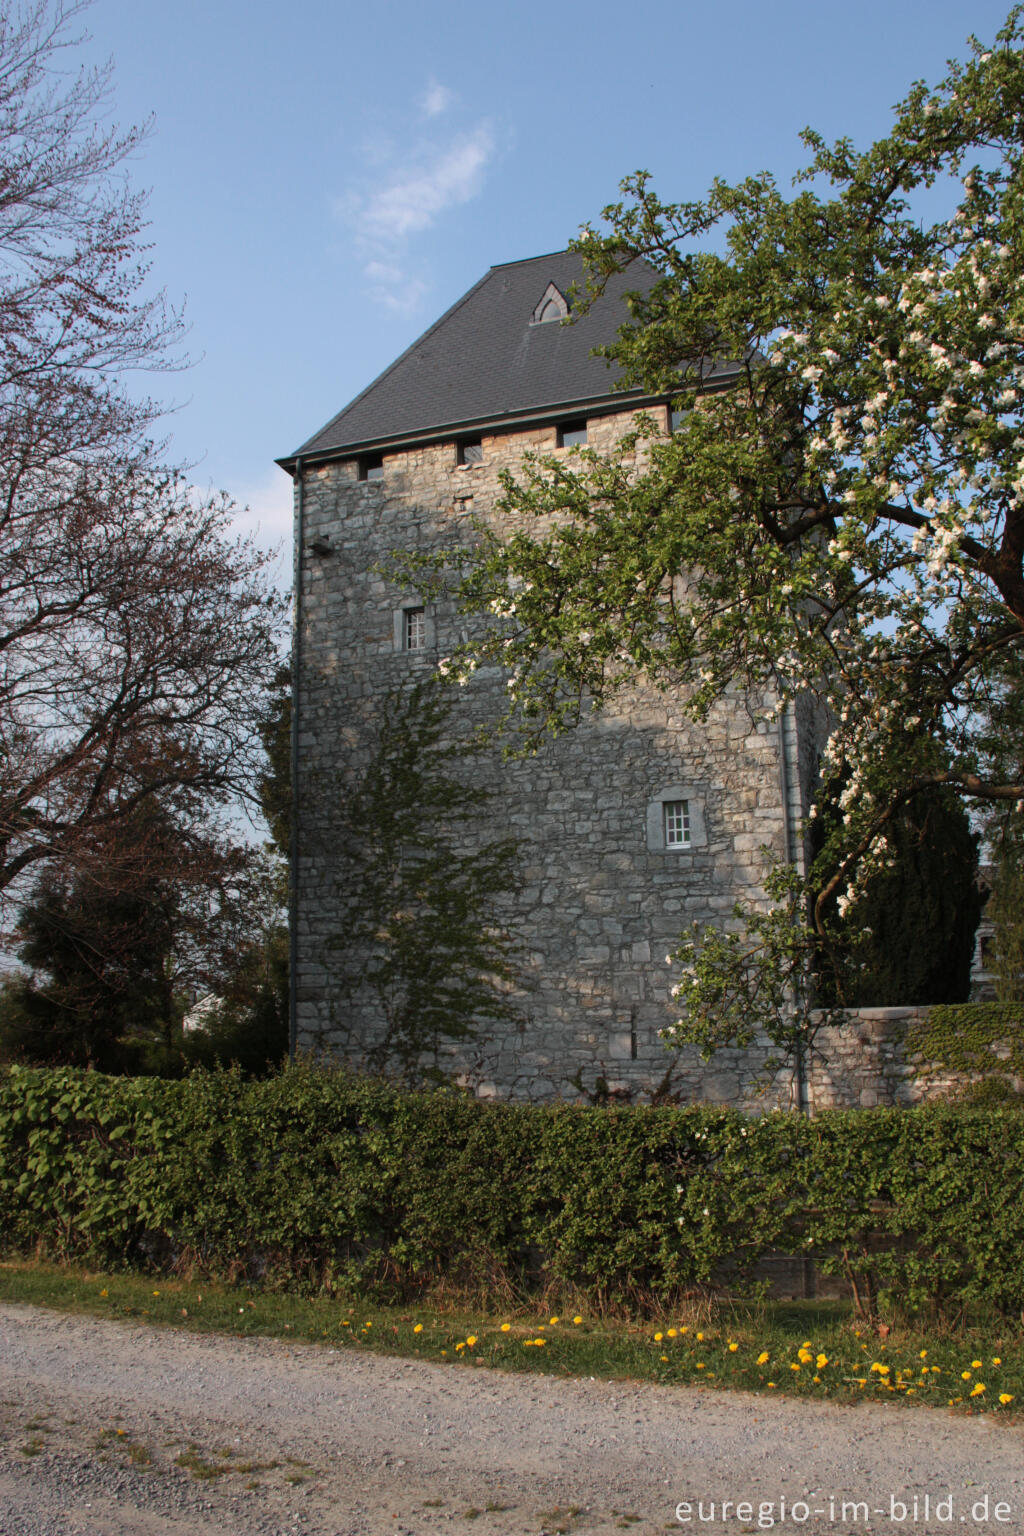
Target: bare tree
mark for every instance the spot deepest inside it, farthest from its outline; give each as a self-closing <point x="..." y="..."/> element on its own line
<point x="137" y="636"/>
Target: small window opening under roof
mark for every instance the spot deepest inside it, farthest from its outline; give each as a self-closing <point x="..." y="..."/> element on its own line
<point x="552" y="305"/>
<point x="571" y="433"/>
<point x="371" y="467"/>
<point x="470" y="451"/>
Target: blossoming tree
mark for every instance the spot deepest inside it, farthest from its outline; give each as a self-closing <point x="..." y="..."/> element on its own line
<point x="850" y="515"/>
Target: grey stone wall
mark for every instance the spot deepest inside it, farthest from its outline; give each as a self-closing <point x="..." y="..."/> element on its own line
<point x="596" y="909"/>
<point x="863" y="1062"/>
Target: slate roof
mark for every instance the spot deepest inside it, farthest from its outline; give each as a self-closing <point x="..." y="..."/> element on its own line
<point x="484" y="362"/>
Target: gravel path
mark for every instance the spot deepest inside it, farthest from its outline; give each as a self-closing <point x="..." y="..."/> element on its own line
<point x="116" y="1429"/>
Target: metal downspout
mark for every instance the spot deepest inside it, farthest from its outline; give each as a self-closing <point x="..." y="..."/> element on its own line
<point x="293" y="839"/>
<point x="800" y="1063"/>
<point x="807" y="1275"/>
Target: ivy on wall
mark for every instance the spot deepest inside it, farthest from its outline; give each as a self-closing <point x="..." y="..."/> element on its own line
<point x="970" y="1039"/>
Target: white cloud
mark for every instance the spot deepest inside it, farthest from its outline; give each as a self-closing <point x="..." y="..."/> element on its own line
<point x="416" y="196"/>
<point x="264" y="514"/>
<point x="437" y="98"/>
<point x="404" y="198"/>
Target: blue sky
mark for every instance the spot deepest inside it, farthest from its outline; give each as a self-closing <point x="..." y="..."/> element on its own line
<point x="325" y="179"/>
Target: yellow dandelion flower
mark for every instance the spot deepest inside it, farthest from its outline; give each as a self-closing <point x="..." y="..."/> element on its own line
<point x="821" y="1362"/>
<point x="471" y="1339"/>
<point x="658" y="1338"/>
<point x="684" y="1330"/>
<point x="672" y="1333"/>
<point x="975" y="1365"/>
<point x="540" y="1341"/>
<point x="664" y="1357"/>
<point x="700" y="1365"/>
<point x="996" y="1360"/>
<point x="763" y="1357"/>
<point x="505" y="1327"/>
<point x="793" y="1366"/>
<point x="965" y="1375"/>
<point x="1005" y="1397"/>
<point x="459" y="1346"/>
<point x="104" y="1292"/>
<point x="156" y="1293"/>
<point x="577" y="1321"/>
<point x="733" y="1348"/>
<point x="700" y="1338"/>
<point x="527" y="1343"/>
<point x="977" y="1389"/>
<point x="553" y="1321"/>
<point x="771" y="1383"/>
<point x="923" y="1355"/>
<point x="418" y="1328"/>
<point x="816" y="1380"/>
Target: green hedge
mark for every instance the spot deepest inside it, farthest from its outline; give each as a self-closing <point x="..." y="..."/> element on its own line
<point x="317" y="1178"/>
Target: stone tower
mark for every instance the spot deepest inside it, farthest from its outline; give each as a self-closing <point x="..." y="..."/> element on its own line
<point x="628" y="829"/>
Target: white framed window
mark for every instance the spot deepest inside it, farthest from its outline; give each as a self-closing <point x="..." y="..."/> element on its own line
<point x="677" y="823"/>
<point x="675" y="819"/>
<point x="414" y="629"/>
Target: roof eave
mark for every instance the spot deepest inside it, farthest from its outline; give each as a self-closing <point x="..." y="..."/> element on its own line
<point x="624" y="400"/>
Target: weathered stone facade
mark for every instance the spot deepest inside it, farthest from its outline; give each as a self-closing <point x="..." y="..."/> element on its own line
<point x="599" y="901"/>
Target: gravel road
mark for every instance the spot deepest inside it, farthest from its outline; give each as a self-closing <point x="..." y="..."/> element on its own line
<point x="117" y="1429"/>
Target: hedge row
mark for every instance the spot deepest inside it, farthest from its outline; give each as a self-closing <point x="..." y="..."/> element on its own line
<point x="314" y="1178"/>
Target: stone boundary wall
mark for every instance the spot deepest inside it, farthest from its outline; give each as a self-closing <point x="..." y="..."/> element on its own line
<point x="861" y="1063"/>
<point x="864" y="1062"/>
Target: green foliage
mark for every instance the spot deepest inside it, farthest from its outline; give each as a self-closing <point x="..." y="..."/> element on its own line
<point x="757" y="977"/>
<point x="425" y="942"/>
<point x="908" y="938"/>
<point x="984" y="1040"/>
<point x="1005" y="908"/>
<point x="846" y="520"/>
<point x="314" y="1179"/>
<point x="100" y="991"/>
<point x="247" y="1025"/>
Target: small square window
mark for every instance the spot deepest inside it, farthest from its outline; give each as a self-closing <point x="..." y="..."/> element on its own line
<point x="677" y="823"/>
<point x="676" y="417"/>
<point x="414" y="629"/>
<point x="470" y="451"/>
<point x="571" y="433"/>
<point x="372" y="467"/>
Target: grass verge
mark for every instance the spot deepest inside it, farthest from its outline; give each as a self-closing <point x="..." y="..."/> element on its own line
<point x="807" y="1349"/>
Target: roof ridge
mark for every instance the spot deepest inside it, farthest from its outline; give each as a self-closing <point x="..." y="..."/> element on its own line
<point x="525" y="261"/>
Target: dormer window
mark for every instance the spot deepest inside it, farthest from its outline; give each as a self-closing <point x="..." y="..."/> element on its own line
<point x="371" y="467"/>
<point x="552" y="305"/>
<point x="572" y="433"/>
